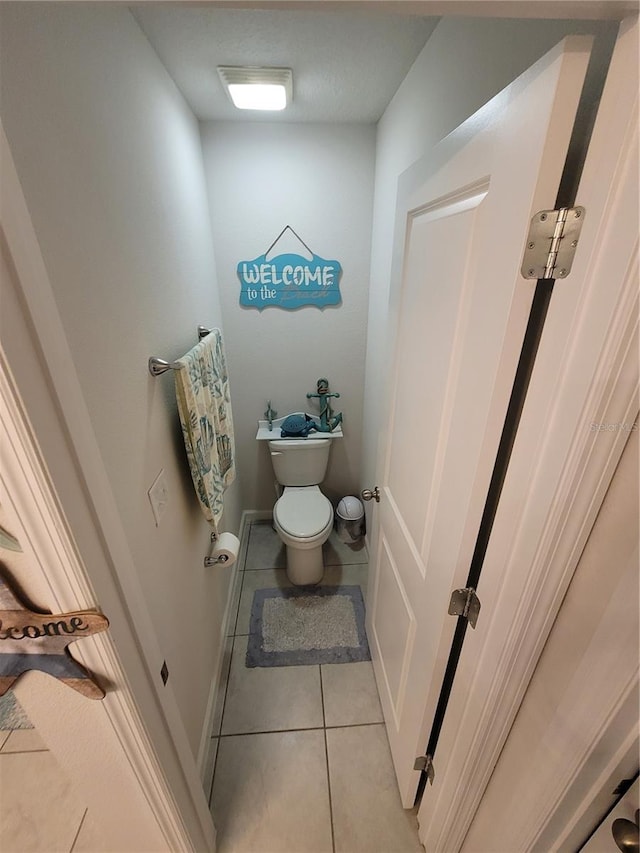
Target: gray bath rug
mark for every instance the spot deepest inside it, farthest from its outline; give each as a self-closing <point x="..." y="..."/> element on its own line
<point x="12" y="715"/>
<point x="307" y="625"/>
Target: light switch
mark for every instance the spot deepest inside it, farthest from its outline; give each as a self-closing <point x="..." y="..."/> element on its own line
<point x="159" y="496"/>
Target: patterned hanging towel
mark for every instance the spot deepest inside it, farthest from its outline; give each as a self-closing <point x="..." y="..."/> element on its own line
<point x="204" y="404"/>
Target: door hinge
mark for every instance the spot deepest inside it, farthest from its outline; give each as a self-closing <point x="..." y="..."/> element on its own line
<point x="465" y="602"/>
<point x="424" y="763"/>
<point x="551" y="243"/>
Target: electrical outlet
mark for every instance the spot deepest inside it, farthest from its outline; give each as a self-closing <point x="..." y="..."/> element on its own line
<point x="159" y="496"/>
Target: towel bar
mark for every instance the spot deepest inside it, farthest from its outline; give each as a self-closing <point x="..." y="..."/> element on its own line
<point x="158" y="366"/>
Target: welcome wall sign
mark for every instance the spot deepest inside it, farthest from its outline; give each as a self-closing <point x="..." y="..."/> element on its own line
<point x="289" y="281"/>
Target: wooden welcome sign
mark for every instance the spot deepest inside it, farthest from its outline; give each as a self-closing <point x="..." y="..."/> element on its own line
<point x="31" y="640"/>
<point x="289" y="281"/>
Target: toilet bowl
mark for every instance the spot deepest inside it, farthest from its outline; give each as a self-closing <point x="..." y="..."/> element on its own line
<point x="302" y="515"/>
<point x="303" y="518"/>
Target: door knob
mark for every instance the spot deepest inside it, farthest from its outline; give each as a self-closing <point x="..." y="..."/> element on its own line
<point x="367" y="494"/>
<point x="626" y="834"/>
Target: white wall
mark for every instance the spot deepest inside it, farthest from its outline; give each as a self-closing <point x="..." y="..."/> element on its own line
<point x="462" y="66"/>
<point x="110" y="162"/>
<point x="319" y="180"/>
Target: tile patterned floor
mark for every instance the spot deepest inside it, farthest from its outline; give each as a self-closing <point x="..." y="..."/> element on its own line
<point x="41" y="811"/>
<point x="300" y="761"/>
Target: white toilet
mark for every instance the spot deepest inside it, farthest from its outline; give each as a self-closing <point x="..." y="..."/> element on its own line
<point x="302" y="516"/>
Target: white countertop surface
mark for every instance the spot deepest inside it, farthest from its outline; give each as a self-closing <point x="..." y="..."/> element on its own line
<point x="266" y="434"/>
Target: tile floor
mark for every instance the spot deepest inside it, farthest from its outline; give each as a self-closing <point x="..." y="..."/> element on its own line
<point x="300" y="760"/>
<point x="40" y="809"/>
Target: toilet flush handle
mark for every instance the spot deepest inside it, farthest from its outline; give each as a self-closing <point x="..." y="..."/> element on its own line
<point x="367" y="494"/>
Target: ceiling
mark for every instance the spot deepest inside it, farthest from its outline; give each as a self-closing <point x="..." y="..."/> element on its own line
<point x="347" y="65"/>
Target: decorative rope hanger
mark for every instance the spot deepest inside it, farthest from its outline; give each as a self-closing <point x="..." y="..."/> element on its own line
<point x="298" y="237"/>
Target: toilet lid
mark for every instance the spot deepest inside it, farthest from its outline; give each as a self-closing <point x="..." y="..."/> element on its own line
<point x="303" y="512"/>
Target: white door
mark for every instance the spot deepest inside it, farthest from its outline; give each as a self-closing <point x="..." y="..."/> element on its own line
<point x="82" y="783"/>
<point x="460" y="307"/>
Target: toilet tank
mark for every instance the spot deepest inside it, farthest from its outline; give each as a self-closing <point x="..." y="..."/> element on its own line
<point x="300" y="462"/>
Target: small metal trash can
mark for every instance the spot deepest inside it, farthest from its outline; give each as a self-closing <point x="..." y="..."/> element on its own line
<point x="350" y="520"/>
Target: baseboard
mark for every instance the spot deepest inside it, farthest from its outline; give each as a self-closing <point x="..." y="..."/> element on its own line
<point x="205" y="738"/>
<point x="248" y="516"/>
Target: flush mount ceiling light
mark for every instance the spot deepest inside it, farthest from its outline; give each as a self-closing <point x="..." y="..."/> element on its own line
<point x="257" y="88"/>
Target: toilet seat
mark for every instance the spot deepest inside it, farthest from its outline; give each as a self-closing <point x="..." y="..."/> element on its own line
<point x="303" y="512"/>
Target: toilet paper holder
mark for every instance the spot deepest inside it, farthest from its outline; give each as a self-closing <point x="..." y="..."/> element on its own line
<point x="215" y="561"/>
<point x="218" y="560"/>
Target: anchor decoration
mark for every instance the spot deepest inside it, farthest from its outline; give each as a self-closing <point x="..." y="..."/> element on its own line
<point x="328" y="421"/>
<point x="30" y="640"/>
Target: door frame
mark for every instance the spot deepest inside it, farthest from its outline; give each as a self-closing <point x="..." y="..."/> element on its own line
<point x="53" y="460"/>
<point x="593" y="373"/>
<point x="539" y="105"/>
